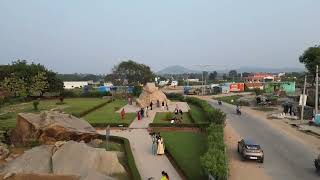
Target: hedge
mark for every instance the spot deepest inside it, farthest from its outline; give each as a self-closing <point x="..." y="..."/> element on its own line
<point x="196" y="125"/>
<point x="81" y="93"/>
<point x="214" y="161"/>
<point x="214" y="115"/>
<point x="131" y="162"/>
<point x="83" y="113"/>
<point x="109" y="124"/>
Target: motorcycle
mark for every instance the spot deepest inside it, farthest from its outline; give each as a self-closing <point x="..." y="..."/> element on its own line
<point x="238" y="112"/>
<point x="220" y="103"/>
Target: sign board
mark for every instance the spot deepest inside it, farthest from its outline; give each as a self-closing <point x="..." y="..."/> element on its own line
<point x="236" y="87"/>
<point x="301" y="99"/>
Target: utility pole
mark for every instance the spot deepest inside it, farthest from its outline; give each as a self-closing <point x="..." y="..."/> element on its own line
<point x="317" y="99"/>
<point x="303" y="96"/>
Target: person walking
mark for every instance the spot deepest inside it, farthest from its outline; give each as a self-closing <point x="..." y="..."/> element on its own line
<point x="139" y="115"/>
<point x="160" y="150"/>
<point x="151" y="104"/>
<point x="162" y="106"/>
<point x="142" y="112"/>
<point x="165" y="176"/>
<point x="123" y="113"/>
<point x="167" y="106"/>
<point x="147" y="111"/>
<point x="154" y="144"/>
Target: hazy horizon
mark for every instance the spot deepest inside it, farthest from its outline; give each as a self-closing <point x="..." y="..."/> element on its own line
<point x="93" y="36"/>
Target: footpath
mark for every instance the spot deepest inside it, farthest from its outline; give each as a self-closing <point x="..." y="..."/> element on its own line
<point x="149" y="166"/>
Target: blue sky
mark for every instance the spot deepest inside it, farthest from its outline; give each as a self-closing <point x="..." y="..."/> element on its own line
<point x="92" y="36"/>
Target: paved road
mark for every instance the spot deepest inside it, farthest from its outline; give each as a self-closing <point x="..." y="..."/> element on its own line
<point x="285" y="158"/>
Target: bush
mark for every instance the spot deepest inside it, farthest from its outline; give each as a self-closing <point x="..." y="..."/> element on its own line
<point x="74" y="93"/>
<point x="137" y="90"/>
<point x="214" y="161"/>
<point x="175" y="96"/>
<point x="83" y="113"/>
<point x="188" y="125"/>
<point x="109" y="124"/>
<point x="35" y="104"/>
<point x="214" y="115"/>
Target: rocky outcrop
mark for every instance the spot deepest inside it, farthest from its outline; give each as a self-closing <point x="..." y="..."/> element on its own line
<point x="151" y="93"/>
<point x="36" y="160"/>
<point x="49" y="127"/>
<point x="69" y="158"/>
<point x="4" y="151"/>
<point x="80" y="159"/>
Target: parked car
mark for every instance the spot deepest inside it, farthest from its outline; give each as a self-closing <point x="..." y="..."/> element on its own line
<point x="248" y="149"/>
<point x="317" y="163"/>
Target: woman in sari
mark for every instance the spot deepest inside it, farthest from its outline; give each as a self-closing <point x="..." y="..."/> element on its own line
<point x="160" y="150"/>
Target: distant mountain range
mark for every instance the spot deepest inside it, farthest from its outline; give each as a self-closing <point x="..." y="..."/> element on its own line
<point x="182" y="70"/>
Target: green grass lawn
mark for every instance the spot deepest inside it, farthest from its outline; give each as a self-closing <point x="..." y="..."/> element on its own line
<point x="197" y="114"/>
<point x="228" y="99"/>
<point x="107" y="114"/>
<point x="161" y="117"/>
<point x="186" y="148"/>
<point x="8" y="119"/>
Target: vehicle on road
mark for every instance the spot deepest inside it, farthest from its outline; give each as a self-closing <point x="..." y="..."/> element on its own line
<point x="238" y="110"/>
<point x="220" y="102"/>
<point x="249" y="150"/>
<point x="317" y="163"/>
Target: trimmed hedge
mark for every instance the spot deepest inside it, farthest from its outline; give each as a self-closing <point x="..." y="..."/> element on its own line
<point x="197" y="125"/>
<point x="83" y="113"/>
<point x="214" y="161"/>
<point x="131" y="162"/>
<point x="109" y="124"/>
<point x="215" y="116"/>
<point x="81" y="93"/>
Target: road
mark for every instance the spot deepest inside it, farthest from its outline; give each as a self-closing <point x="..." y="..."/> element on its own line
<point x="285" y="157"/>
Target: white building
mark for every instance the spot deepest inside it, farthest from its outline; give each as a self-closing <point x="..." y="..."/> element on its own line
<point x="74" y="84"/>
<point x="174" y="83"/>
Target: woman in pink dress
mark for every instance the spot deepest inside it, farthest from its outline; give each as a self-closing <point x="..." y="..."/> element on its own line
<point x="139" y="115"/>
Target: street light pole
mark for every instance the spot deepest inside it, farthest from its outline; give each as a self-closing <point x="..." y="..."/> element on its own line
<point x="317" y="86"/>
<point x="303" y="96"/>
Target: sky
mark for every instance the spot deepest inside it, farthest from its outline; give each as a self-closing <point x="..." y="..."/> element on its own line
<point x="93" y="36"/>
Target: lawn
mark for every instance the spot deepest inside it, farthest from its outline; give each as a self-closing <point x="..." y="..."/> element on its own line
<point x="229" y="99"/>
<point x="107" y="114"/>
<point x="197" y="114"/>
<point x="186" y="148"/>
<point x="8" y="119"/>
<point x="162" y="117"/>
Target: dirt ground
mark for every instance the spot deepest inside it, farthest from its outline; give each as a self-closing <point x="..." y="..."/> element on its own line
<point x="240" y="170"/>
<point x="307" y="139"/>
<point x="40" y="177"/>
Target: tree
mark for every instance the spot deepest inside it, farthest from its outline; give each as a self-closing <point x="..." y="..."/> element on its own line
<point x="39" y="84"/>
<point x="246" y="74"/>
<point x="15" y="86"/>
<point x="311" y="58"/>
<point x="233" y="73"/>
<point x="213" y="75"/>
<point x="131" y="73"/>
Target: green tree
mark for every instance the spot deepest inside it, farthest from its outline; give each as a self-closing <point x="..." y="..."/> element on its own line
<point x="39" y="84"/>
<point x="131" y="73"/>
<point x="311" y="58"/>
<point x="15" y="86"/>
<point x="233" y="73"/>
<point x="213" y="75"/>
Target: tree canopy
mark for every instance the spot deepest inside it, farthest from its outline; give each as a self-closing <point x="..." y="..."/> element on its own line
<point x="130" y="73"/>
<point x="310" y="58"/>
<point x="23" y="79"/>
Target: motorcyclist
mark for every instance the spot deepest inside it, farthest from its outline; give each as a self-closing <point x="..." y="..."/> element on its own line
<point x="238" y="109"/>
<point x="219" y="102"/>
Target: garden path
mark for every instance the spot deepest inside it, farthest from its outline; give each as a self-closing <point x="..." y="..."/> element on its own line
<point x="149" y="166"/>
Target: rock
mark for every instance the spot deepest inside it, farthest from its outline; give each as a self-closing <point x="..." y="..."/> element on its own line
<point x="96" y="143"/>
<point x="49" y="127"/>
<point x="4" y="151"/>
<point x="80" y="159"/>
<point x="35" y="160"/>
<point x="151" y="93"/>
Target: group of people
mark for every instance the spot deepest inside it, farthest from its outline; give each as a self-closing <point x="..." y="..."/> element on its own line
<point x="164" y="105"/>
<point x="143" y="113"/>
<point x="178" y="118"/>
<point x="157" y="147"/>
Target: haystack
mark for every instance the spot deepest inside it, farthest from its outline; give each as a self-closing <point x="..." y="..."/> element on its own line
<point x="151" y="93"/>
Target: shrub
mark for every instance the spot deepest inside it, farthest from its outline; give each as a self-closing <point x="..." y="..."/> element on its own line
<point x="214" y="161"/>
<point x="175" y="96"/>
<point x="137" y="90"/>
<point x="214" y="115"/>
<point x="36" y="104"/>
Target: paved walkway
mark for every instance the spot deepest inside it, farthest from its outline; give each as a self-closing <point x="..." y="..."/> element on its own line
<point x="140" y="141"/>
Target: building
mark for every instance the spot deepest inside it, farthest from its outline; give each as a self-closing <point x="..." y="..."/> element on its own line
<point x="261" y="77"/>
<point x="75" y="84"/>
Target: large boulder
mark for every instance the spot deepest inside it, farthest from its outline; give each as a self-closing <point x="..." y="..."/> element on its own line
<point x="36" y="160"/>
<point x="151" y="93"/>
<point x="49" y="127"/>
<point x="88" y="162"/>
